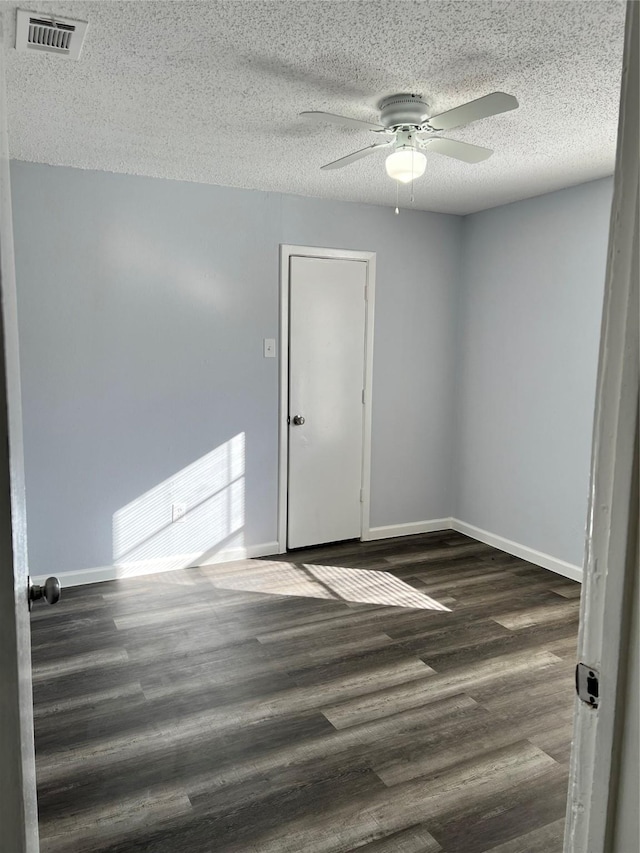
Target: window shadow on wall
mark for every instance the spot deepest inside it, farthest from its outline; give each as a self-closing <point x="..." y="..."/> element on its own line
<point x="209" y="495"/>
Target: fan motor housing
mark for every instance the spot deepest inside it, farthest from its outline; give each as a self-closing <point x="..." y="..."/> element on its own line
<point x="403" y="109"/>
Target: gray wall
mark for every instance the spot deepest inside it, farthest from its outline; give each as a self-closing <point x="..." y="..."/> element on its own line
<point x="528" y="337"/>
<point x="142" y="306"/>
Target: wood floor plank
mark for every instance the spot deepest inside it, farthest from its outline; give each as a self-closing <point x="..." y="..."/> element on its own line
<point x="539" y="840"/>
<point x="537" y="616"/>
<point x="558" y="639"/>
<point x="475" y="734"/>
<point x="84" y="831"/>
<point x="432" y="554"/>
<point x="409" y="695"/>
<point x="81" y="663"/>
<point x="358" y="747"/>
<point x="412" y="840"/>
<point x="522" y="808"/>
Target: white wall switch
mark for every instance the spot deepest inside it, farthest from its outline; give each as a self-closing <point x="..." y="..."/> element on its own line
<point x="269" y="345"/>
<point x="178" y="512"/>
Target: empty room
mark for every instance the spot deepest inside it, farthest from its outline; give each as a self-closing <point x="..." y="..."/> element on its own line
<point x="319" y="427"/>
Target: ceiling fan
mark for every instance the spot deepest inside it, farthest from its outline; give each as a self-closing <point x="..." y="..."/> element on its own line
<point x="406" y="125"/>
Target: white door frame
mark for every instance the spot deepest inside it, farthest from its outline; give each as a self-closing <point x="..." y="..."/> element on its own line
<point x="286" y="253"/>
<point x="18" y="806"/>
<point x="611" y="561"/>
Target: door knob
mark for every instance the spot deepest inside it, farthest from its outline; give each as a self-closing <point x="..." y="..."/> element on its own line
<point x="50" y="591"/>
<point x="298" y="420"/>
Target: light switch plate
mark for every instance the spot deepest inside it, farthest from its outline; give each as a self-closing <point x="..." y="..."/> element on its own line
<point x="269" y="347"/>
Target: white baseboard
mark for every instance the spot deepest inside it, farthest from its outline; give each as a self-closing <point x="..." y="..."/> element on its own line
<point x="82" y="576"/>
<point x="227" y="555"/>
<point x="538" y="558"/>
<point x="155" y="567"/>
<point x="248" y="552"/>
<point x="390" y="531"/>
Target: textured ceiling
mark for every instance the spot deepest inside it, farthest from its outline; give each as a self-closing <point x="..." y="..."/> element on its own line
<point x="211" y="91"/>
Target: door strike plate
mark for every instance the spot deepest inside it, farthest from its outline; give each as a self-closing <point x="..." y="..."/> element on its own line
<point x="588" y="684"/>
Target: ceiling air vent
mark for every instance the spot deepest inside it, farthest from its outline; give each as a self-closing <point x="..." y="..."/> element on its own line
<point x="51" y="34"/>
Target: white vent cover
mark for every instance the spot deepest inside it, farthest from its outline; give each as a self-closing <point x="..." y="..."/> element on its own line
<point x="51" y="34"/>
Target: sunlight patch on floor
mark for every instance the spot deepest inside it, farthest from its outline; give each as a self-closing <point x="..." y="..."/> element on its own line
<point x="360" y="586"/>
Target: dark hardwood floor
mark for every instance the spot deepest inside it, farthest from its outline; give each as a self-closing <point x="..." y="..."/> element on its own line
<point x="405" y="696"/>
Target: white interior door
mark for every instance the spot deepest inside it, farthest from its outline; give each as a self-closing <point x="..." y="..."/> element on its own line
<point x="327" y="313"/>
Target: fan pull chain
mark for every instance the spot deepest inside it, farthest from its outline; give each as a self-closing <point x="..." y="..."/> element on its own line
<point x="412" y="176"/>
<point x="397" y="211"/>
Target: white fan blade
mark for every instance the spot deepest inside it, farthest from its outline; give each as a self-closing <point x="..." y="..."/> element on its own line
<point x="459" y="150"/>
<point x="490" y="105"/>
<point x="357" y="155"/>
<point x="344" y="121"/>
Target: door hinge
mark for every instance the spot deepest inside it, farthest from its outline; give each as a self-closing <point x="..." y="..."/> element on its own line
<point x="361" y="495"/>
<point x="588" y="684"/>
<point x="363" y="396"/>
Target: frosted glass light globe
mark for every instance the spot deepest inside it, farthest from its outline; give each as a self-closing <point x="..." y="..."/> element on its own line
<point x="406" y="164"/>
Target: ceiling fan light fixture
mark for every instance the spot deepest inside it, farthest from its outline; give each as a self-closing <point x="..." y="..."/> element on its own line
<point x="406" y="164"/>
<point x="403" y="117"/>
